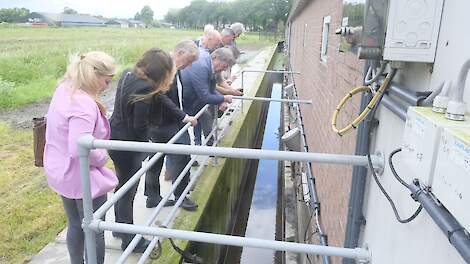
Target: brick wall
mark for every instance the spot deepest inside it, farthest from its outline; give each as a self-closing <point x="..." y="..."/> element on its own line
<point x="326" y="83"/>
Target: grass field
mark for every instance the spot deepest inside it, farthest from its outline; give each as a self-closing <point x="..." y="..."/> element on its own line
<point x="31" y="61"/>
<point x="32" y="215"/>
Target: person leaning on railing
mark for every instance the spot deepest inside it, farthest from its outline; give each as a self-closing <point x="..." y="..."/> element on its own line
<point x="224" y="78"/>
<point x="199" y="87"/>
<point x="73" y="112"/>
<point x="152" y="75"/>
<point x="168" y="118"/>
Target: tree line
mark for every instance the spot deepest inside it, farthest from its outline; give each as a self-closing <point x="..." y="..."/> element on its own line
<point x="256" y="15"/>
<point x="11" y="15"/>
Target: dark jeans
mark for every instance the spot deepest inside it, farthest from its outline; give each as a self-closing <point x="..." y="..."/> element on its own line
<point x="75" y="236"/>
<point x="205" y="123"/>
<point x="163" y="134"/>
<point x="126" y="164"/>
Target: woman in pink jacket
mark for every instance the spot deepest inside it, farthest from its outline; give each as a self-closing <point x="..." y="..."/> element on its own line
<point x="73" y="112"/>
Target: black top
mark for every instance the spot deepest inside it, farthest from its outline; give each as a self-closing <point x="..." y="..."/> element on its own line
<point x="165" y="107"/>
<point x="132" y="120"/>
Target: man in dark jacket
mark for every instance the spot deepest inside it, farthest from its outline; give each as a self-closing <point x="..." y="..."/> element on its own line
<point x="167" y="120"/>
<point x="200" y="85"/>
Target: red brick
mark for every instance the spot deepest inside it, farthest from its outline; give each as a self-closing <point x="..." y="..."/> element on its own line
<point x="326" y="83"/>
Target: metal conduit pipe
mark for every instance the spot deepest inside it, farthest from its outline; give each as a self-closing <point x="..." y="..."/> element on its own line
<point x="458" y="95"/>
<point x="410" y="97"/>
<point x="457" y="235"/>
<point x="355" y="218"/>
<point x="397" y="108"/>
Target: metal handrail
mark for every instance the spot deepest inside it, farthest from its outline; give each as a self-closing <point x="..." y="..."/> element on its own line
<point x="171" y="215"/>
<point x="136" y="177"/>
<point x="89" y="224"/>
<point x="266" y="99"/>
<point x="92" y="222"/>
<point x="263" y="71"/>
<point x="160" y="205"/>
<point x="243" y="153"/>
<point x="360" y="254"/>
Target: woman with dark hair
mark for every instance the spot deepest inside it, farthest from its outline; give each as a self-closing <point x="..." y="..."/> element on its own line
<point x="152" y="75"/>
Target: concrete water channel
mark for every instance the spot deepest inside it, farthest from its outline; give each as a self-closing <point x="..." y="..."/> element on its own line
<point x="232" y="198"/>
<point x="258" y="218"/>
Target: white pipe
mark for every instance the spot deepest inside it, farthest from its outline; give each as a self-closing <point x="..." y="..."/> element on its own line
<point x="359" y="254"/>
<point x="458" y="94"/>
<point x="265" y="99"/>
<point x="243" y="153"/>
<point x="270" y="71"/>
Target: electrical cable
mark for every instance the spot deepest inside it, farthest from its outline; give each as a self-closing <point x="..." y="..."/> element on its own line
<point x="392" y="204"/>
<point x="376" y="179"/>
<point x="191" y="258"/>
<point x="373" y="102"/>
<point x="374" y="78"/>
<point x="394" y="172"/>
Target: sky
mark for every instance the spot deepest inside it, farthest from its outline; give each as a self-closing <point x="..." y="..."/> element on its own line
<point x="106" y="8"/>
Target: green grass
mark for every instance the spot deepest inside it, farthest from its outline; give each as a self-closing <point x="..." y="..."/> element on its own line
<point x="32" y="214"/>
<point x="32" y="59"/>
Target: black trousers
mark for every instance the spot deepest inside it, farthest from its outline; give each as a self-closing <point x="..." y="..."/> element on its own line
<point x="163" y="134"/>
<point x="126" y="164"/>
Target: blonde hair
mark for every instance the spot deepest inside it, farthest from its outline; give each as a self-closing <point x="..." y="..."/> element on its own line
<point x="84" y="70"/>
<point x="237" y="28"/>
<point x="207" y="28"/>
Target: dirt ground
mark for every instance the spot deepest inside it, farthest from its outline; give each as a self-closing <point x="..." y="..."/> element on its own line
<point x="22" y="117"/>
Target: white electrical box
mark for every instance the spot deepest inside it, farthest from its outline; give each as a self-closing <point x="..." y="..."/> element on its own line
<point x="420" y="141"/>
<point x="451" y="183"/>
<point x="412" y="30"/>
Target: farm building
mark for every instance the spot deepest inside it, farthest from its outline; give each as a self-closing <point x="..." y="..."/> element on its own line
<point x="117" y="23"/>
<point x="136" y="24"/>
<point x="66" y="20"/>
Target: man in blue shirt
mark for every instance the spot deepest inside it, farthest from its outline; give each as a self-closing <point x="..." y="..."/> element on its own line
<point x="200" y="85"/>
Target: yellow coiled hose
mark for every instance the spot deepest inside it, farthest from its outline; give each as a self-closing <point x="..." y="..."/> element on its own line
<point x="354" y="124"/>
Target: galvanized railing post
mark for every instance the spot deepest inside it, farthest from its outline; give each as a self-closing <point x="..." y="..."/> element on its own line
<point x="243" y="89"/>
<point x="90" y="236"/>
<point x="216" y="128"/>
<point x="263" y="71"/>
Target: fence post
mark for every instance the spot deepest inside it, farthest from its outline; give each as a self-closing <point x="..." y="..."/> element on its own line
<point x="216" y="128"/>
<point x="90" y="236"/>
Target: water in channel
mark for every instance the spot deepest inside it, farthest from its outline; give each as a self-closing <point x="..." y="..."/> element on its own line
<point x="262" y="213"/>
